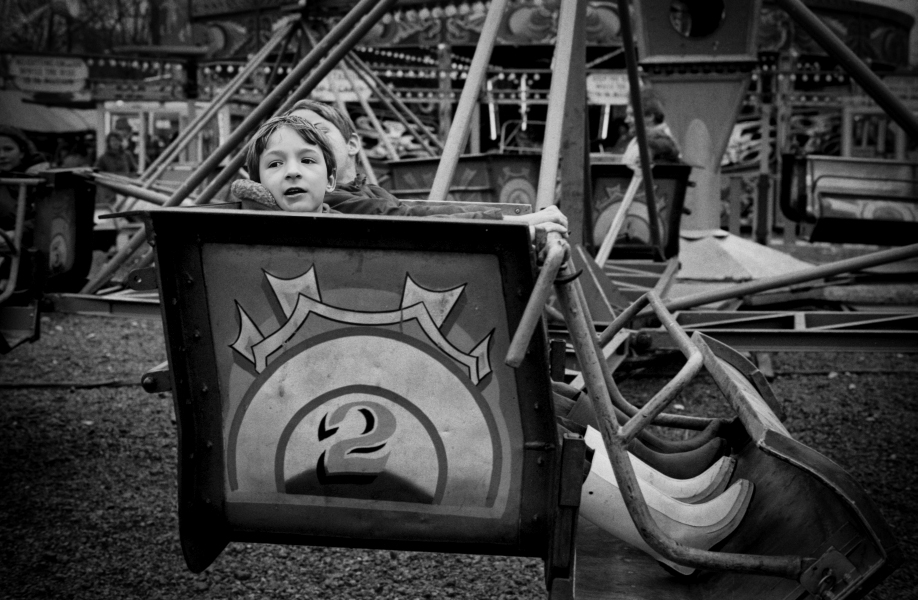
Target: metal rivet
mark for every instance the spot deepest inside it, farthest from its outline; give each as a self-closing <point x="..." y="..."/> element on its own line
<point x="204" y="389"/>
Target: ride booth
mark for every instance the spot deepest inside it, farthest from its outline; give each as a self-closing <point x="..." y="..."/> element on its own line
<point x="381" y="382"/>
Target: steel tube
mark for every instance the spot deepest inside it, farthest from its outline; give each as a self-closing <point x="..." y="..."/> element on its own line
<point x="634" y="89"/>
<point x="602" y="255"/>
<point x="557" y="102"/>
<point x="769" y="283"/>
<point x="459" y="130"/>
<point x="855" y="67"/>
<point x="132" y="190"/>
<point x="556" y="254"/>
<point x="661" y="400"/>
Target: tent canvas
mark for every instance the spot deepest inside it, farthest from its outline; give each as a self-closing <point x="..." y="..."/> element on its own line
<point x="16" y="110"/>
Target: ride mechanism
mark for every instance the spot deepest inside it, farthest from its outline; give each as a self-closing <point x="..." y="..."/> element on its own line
<point x="385" y="383"/>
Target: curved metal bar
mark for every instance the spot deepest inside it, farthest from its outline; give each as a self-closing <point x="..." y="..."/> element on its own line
<point x="791" y="567"/>
<point x="618" y="400"/>
<point x="557" y="252"/>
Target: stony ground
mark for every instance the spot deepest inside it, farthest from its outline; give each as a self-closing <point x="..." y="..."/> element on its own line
<point x="88" y="494"/>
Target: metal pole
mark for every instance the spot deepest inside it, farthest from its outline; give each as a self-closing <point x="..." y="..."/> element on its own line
<point x="770" y="283"/>
<point x="855" y="67"/>
<point x="634" y="85"/>
<point x="557" y="103"/>
<point x="354" y="23"/>
<point x="459" y="131"/>
<point x="157" y="167"/>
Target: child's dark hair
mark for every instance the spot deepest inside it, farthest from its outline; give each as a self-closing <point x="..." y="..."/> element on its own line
<point x="304" y="128"/>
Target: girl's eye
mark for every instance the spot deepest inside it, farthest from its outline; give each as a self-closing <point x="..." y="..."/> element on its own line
<point x="308" y="161"/>
<point x="274" y="163"/>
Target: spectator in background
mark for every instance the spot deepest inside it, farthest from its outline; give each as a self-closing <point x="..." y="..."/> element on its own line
<point x="115" y="159"/>
<point x="661" y="144"/>
<point x="18" y="153"/>
<point x="622" y="136"/>
<point x="17" y="157"/>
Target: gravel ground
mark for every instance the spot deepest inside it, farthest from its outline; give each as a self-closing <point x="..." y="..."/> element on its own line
<point x="88" y="501"/>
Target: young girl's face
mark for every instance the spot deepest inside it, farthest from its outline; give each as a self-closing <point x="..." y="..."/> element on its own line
<point x="294" y="171"/>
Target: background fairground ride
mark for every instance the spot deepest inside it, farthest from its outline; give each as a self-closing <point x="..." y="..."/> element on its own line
<point x="150" y="80"/>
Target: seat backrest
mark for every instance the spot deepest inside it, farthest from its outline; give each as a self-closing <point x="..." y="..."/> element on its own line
<point x="340" y="380"/>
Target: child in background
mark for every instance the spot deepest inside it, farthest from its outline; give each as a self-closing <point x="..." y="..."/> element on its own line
<point x="293" y="162"/>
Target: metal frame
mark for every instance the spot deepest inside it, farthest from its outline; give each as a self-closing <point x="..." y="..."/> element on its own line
<point x="828" y="573"/>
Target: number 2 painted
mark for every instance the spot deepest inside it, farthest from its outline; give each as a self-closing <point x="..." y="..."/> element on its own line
<point x="347" y="458"/>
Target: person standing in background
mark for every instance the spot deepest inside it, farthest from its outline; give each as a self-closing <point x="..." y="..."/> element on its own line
<point x="115" y="159"/>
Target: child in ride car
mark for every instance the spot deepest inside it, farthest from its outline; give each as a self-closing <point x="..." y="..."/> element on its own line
<point x="293" y="163"/>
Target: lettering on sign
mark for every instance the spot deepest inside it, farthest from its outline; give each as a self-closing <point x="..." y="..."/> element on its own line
<point x="607" y="88"/>
<point x="48" y="73"/>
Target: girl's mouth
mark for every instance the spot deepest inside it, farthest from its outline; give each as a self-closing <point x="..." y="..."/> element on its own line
<point x="294" y="191"/>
